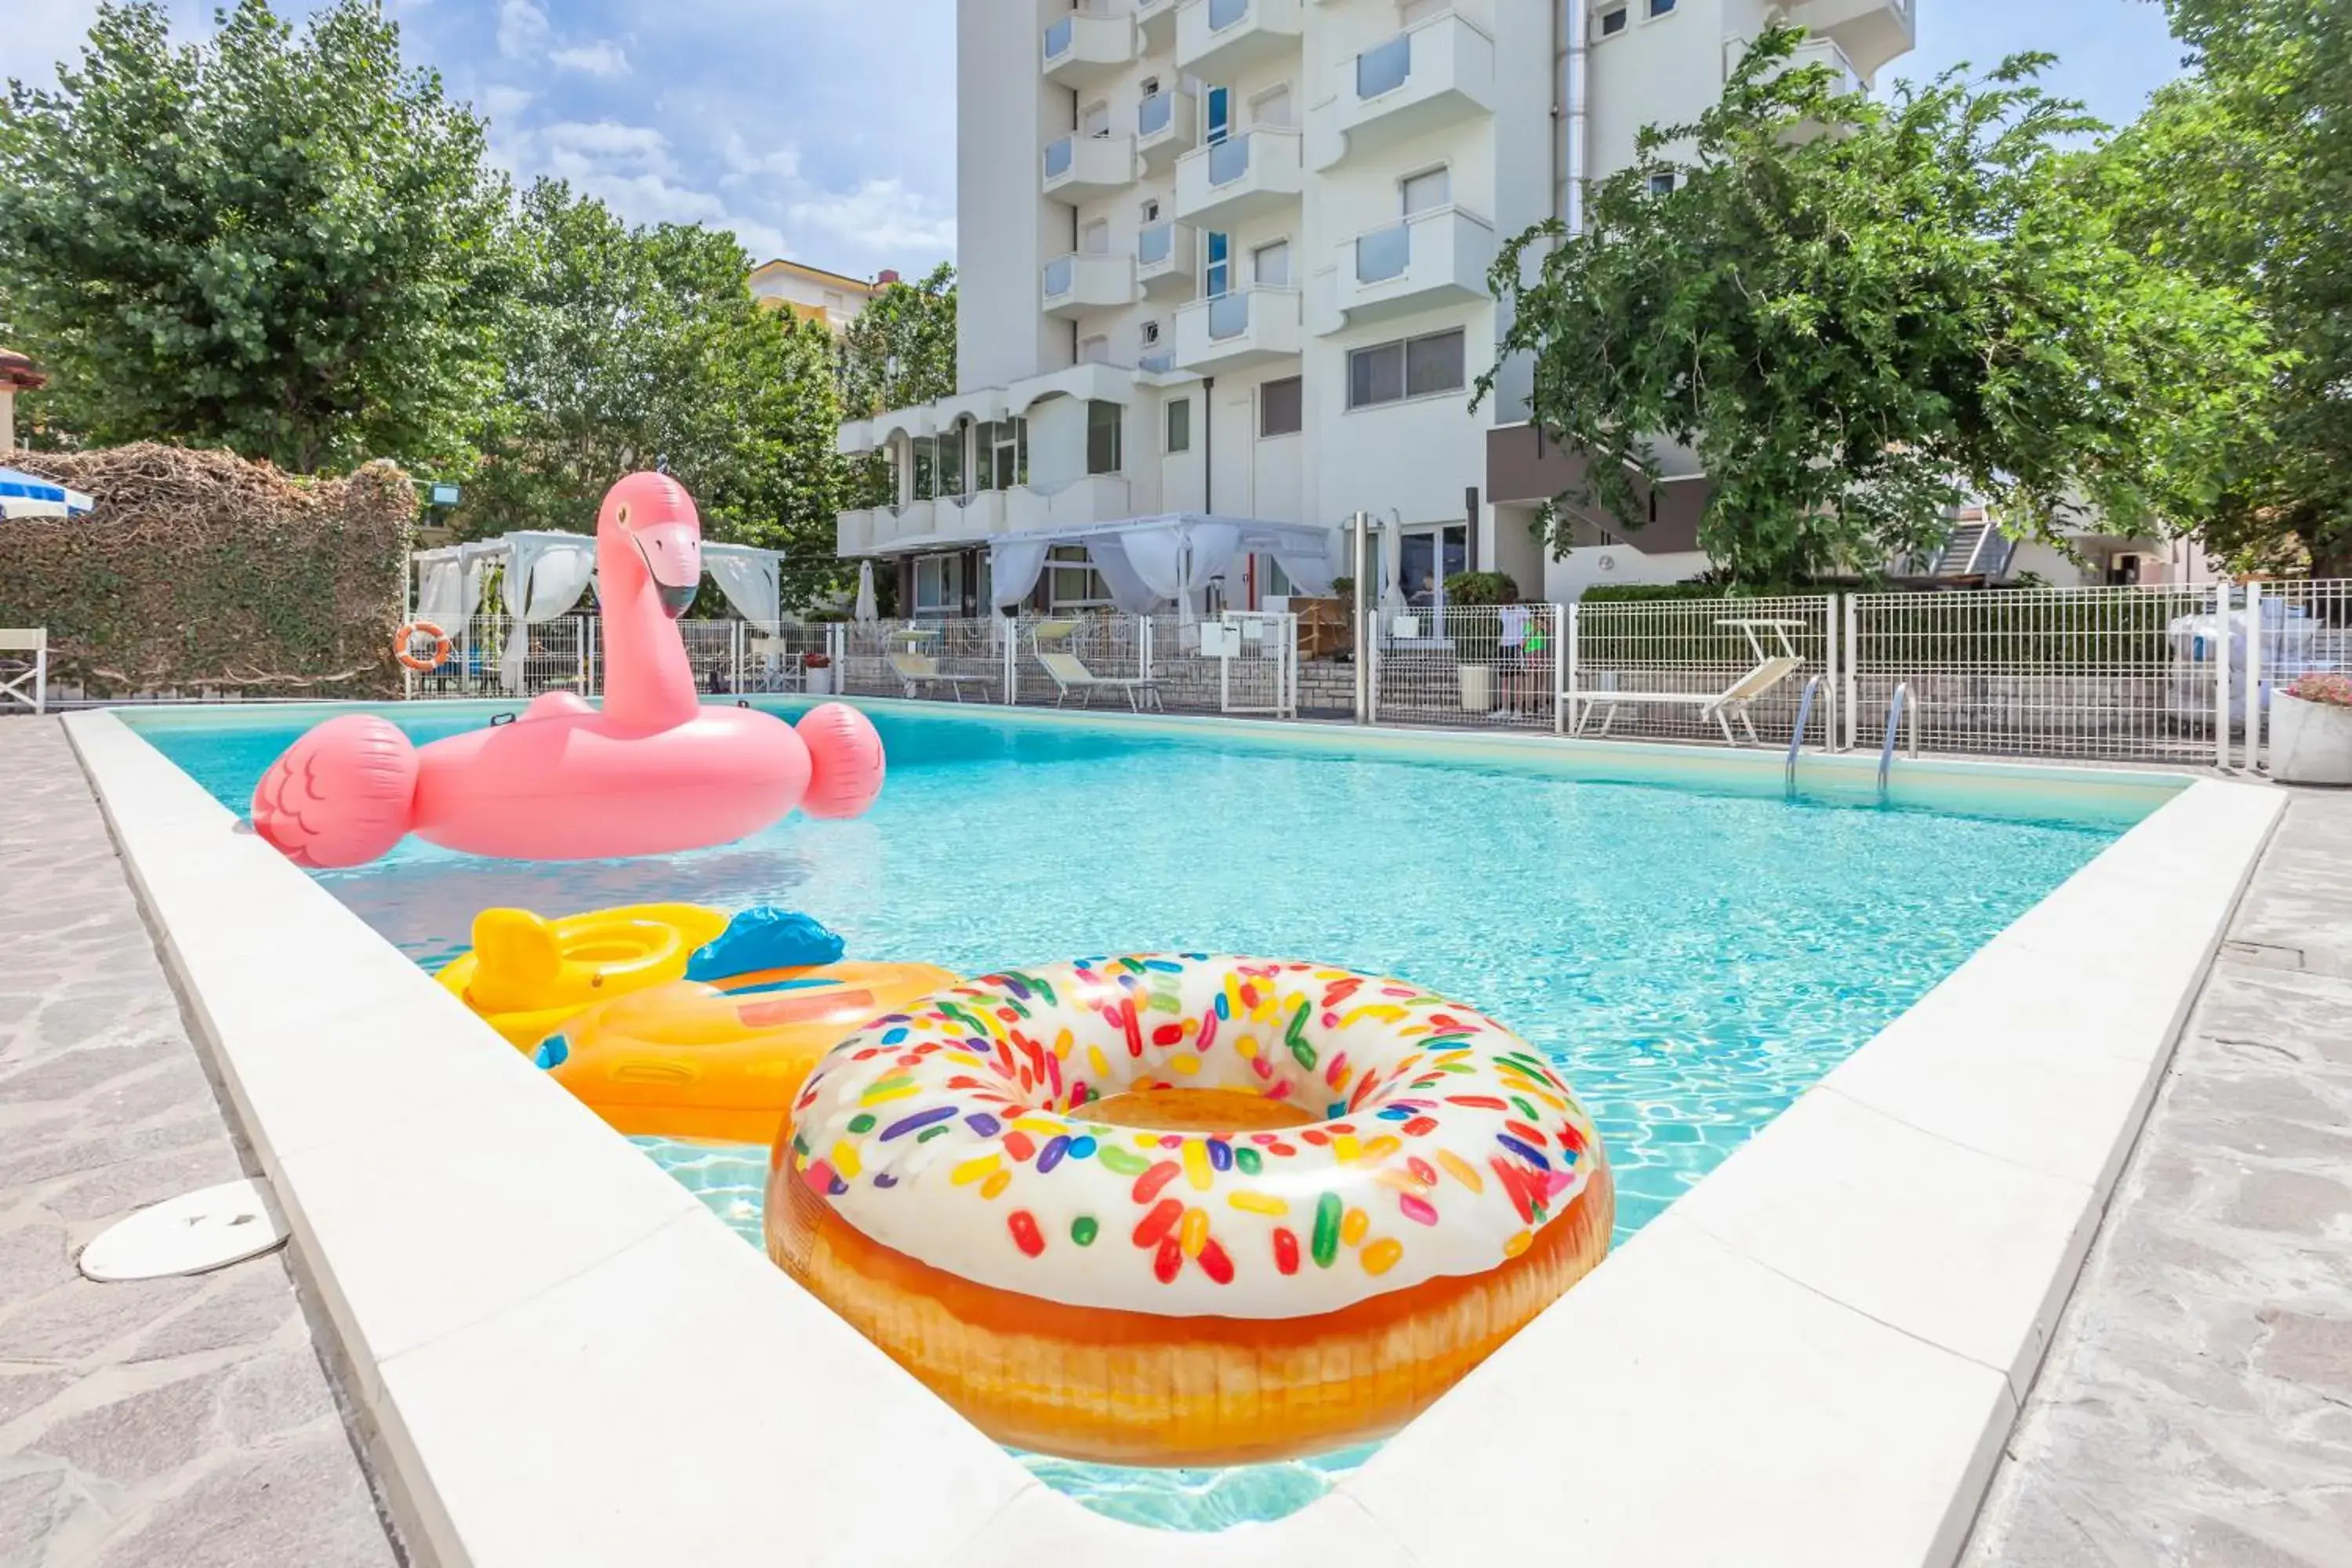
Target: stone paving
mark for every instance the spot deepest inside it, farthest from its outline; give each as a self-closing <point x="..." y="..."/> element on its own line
<point x="187" y="1421"/>
<point x="2195" y="1406"/>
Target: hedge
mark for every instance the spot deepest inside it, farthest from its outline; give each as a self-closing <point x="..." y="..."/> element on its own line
<point x="202" y="570"/>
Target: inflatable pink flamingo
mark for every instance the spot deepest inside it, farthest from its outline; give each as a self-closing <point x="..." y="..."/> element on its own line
<point x="652" y="773"/>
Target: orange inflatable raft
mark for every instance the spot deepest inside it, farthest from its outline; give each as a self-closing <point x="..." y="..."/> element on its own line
<point x="724" y="1060"/>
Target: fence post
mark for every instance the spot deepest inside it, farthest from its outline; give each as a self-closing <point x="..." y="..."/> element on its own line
<point x="1010" y="626"/>
<point x="2221" y="678"/>
<point x="2253" y="677"/>
<point x="1572" y="615"/>
<point x="1853" y="646"/>
<point x="579" y="651"/>
<point x="1362" y="526"/>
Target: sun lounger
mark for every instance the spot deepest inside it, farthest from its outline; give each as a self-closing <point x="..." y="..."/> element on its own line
<point x="1724" y="707"/>
<point x="919" y="672"/>
<point x="1070" y="673"/>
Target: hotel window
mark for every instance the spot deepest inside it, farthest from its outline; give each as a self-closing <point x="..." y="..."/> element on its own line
<point x="1427" y="191"/>
<point x="1661" y="185"/>
<point x="1104" y="421"/>
<point x="1415" y="367"/>
<point x="1220" y="115"/>
<point x="1003" y="454"/>
<point x="1217" y="275"/>
<point x="950" y="463"/>
<point x="1271" y="109"/>
<point x="1612" y="21"/>
<point x="1281" y="407"/>
<point x="1095" y="239"/>
<point x="1270" y="264"/>
<point x="1094" y="121"/>
<point x="1094" y="351"/>
<point x="1660" y="7"/>
<point x="1180" y="426"/>
<point x="938" y="585"/>
<point x="1071" y="581"/>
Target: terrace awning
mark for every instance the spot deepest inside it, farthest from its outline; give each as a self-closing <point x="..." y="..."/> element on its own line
<point x="1149" y="561"/>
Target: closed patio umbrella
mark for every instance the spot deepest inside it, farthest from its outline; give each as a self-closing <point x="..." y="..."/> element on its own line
<point x="865" y="614"/>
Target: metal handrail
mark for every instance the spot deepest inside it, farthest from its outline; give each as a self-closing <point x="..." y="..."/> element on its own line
<point x="1804" y="722"/>
<point x="1895" y="707"/>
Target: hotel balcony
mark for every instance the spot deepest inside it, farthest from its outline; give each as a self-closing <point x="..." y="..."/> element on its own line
<point x="1155" y="20"/>
<point x="1236" y="331"/>
<point x="1103" y="498"/>
<point x="1228" y="182"/>
<point x="1439" y="73"/>
<point x="1430" y="260"/>
<point x="1079" y="168"/>
<point x="1083" y="49"/>
<point x="1820" y="51"/>
<point x="1077" y="284"/>
<point x="1166" y="126"/>
<point x="1219" y="41"/>
<point x="892" y="523"/>
<point x="854" y="439"/>
<point x="975" y="516"/>
<point x="852" y="535"/>
<point x="1167" y="257"/>
<point x="1871" y="32"/>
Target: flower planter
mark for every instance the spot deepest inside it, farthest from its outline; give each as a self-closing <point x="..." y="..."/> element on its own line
<point x="2311" y="743"/>
<point x="817" y="682"/>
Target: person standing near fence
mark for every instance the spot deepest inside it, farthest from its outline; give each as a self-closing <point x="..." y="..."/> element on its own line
<point x="1511" y="655"/>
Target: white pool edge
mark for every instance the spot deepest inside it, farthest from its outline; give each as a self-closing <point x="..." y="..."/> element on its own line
<point x="1813" y="1358"/>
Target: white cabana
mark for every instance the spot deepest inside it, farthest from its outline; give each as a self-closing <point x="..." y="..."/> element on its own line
<point x="1148" y="562"/>
<point x="546" y="575"/>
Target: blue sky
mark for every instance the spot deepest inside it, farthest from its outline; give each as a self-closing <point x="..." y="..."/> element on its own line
<point x="824" y="130"/>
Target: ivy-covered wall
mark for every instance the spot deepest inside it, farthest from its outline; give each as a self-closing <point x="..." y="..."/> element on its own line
<point x="200" y="569"/>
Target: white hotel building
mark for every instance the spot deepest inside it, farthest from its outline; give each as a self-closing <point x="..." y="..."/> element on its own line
<point x="1229" y="257"/>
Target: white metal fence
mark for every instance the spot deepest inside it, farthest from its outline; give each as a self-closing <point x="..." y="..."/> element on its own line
<point x="2160" y="675"/>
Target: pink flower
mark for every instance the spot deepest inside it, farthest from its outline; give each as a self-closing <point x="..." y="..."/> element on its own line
<point x="2329" y="690"/>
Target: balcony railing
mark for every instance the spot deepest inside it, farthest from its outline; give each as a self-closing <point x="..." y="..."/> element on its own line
<point x="1224" y="13"/>
<point x="1229" y="160"/>
<point x="1059" y="275"/>
<point x="1155" y="114"/>
<point x="1155" y="245"/>
<point x="1228" y="317"/>
<point x="1058" y="38"/>
<point x="1384" y="68"/>
<point x="1384" y="254"/>
<point x="1058" y="155"/>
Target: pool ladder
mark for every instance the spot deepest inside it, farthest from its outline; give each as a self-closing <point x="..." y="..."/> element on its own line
<point x="1895" y="707"/>
<point x="1797" y="740"/>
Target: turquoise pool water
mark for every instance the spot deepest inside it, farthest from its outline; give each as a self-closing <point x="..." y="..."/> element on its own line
<point x="1692" y="961"/>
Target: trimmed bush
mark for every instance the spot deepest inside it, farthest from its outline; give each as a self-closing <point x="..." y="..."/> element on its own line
<point x="202" y="570"/>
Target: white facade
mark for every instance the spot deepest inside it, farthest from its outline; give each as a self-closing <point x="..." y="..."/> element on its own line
<point x="1230" y="257"/>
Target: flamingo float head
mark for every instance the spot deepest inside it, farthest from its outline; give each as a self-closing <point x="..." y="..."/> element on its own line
<point x="648" y="522"/>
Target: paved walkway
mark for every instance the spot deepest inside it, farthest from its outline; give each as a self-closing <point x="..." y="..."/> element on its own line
<point x="179" y="1421"/>
<point x="2196" y="1407"/>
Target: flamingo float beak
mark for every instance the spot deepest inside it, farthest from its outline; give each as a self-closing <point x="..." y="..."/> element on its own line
<point x="673" y="557"/>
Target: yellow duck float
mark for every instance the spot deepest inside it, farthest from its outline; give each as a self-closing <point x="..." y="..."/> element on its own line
<point x="675" y="1020"/>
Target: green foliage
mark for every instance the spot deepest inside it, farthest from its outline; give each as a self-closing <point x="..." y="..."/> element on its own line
<point x="1851" y="310"/>
<point x="2240" y="175"/>
<point x="900" y="353"/>
<point x="202" y="570"/>
<point x="1659" y="592"/>
<point x="628" y="347"/>
<point x="286" y="245"/>
<point x="1469" y="588"/>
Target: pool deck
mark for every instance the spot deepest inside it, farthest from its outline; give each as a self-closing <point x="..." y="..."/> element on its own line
<point x="2195" y="1406"/>
<point x="183" y="1421"/>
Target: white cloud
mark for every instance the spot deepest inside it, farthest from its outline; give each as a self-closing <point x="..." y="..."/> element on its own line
<point x="503" y="102"/>
<point x="743" y="164"/>
<point x="879" y="214"/>
<point x="601" y="59"/>
<point x="522" y="30"/>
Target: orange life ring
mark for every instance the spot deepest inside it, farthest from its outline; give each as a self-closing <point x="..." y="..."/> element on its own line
<point x="403" y="640"/>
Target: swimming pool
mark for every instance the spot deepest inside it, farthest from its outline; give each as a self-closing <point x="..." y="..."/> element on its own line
<point x="1692" y="960"/>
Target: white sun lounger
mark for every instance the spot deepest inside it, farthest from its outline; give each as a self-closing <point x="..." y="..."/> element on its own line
<point x="918" y="671"/>
<point x="1724" y="707"/>
<point x="24" y="667"/>
<point x="1071" y="675"/>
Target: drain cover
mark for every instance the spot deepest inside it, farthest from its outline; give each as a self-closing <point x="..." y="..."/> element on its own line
<point x="188" y="1235"/>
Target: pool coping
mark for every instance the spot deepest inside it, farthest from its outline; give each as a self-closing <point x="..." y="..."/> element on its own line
<point x="1812" y="1357"/>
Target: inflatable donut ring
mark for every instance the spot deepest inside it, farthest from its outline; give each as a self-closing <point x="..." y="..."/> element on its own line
<point x="1184" y="1210"/>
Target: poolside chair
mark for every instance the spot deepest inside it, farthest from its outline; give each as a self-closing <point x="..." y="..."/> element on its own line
<point x="24" y="667"/>
<point x="1070" y="673"/>
<point x="1731" y="703"/>
<point x="918" y="671"/>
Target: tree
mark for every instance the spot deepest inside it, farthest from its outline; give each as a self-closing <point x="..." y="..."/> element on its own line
<point x="284" y="245"/>
<point x="629" y="347"/>
<point x="900" y="353"/>
<point x="1851" y="311"/>
<point x="2240" y="175"/>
